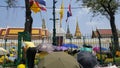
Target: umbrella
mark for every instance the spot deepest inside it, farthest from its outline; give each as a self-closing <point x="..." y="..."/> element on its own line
<point x="88" y="46"/>
<point x="41" y="55"/>
<point x="111" y="66"/>
<point x="98" y="49"/>
<point x="70" y="45"/>
<point x="86" y="59"/>
<point x="46" y="47"/>
<point x="58" y="60"/>
<point x="3" y="51"/>
<point x="61" y="48"/>
<point x="86" y="49"/>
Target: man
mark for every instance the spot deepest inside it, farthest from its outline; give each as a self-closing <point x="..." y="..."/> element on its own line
<point x="30" y="53"/>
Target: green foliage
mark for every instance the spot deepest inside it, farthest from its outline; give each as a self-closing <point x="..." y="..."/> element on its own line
<point x="104" y="7"/>
<point x="11" y="3"/>
<point x="107" y="8"/>
<point x="108" y="60"/>
<point x="103" y="56"/>
<point x="117" y="59"/>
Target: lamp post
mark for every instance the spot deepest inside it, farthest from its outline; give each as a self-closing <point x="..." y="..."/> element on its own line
<point x="54" y="29"/>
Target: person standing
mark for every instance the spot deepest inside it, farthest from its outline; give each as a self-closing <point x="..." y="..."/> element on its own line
<point x="111" y="47"/>
<point x="30" y="50"/>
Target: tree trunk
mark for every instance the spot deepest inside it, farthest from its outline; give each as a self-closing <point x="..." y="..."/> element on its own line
<point x="114" y="32"/>
<point x="28" y="20"/>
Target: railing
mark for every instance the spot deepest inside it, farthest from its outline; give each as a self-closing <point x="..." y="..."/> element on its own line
<point x="89" y="41"/>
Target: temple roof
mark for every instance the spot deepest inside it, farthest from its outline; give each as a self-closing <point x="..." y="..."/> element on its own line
<point x="43" y="24"/>
<point x="2" y="32"/>
<point x="59" y="30"/>
<point x="12" y="33"/>
<point x="104" y="33"/>
<point x="68" y="30"/>
<point x="77" y="32"/>
<point x="94" y="34"/>
<point x="68" y="34"/>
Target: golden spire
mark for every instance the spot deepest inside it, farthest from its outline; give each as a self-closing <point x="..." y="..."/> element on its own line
<point x="68" y="34"/>
<point x="43" y="24"/>
<point x="77" y="32"/>
<point x="68" y="30"/>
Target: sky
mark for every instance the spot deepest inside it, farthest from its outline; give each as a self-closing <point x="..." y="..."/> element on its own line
<point x="15" y="17"/>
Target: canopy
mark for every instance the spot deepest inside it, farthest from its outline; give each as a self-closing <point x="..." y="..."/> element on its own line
<point x="58" y="60"/>
<point x="97" y="49"/>
<point x="70" y="45"/>
<point x="86" y="59"/>
<point x="86" y="49"/>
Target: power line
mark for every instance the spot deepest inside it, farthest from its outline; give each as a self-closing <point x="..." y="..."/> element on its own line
<point x="36" y="7"/>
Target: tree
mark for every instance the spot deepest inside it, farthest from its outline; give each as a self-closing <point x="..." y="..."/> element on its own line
<point x="107" y="8"/>
<point x="28" y="20"/>
<point x="28" y="28"/>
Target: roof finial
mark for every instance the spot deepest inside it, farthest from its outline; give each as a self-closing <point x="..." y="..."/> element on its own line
<point x="77" y="32"/>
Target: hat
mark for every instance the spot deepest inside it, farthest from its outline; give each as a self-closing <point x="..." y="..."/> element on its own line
<point x="29" y="44"/>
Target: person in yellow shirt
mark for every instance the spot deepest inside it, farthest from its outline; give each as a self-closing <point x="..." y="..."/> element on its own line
<point x="3" y="58"/>
<point x="30" y="51"/>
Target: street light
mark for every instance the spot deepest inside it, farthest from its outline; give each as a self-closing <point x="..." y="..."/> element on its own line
<point x="54" y="29"/>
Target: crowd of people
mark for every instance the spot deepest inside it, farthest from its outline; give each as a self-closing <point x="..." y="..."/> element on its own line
<point x="11" y="56"/>
<point x="85" y="59"/>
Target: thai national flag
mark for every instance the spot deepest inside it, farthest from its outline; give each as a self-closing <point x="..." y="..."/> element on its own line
<point x="69" y="13"/>
<point x="42" y="4"/>
<point x="69" y="10"/>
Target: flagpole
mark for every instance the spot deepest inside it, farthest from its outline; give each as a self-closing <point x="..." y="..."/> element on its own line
<point x="41" y="15"/>
<point x="66" y="25"/>
<point x="60" y="24"/>
<point x="54" y="29"/>
<point x="41" y="26"/>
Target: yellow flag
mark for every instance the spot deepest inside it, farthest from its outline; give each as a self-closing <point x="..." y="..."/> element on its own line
<point x="35" y="7"/>
<point x="61" y="11"/>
